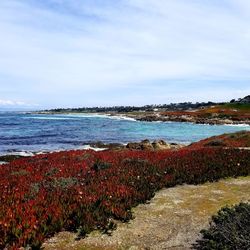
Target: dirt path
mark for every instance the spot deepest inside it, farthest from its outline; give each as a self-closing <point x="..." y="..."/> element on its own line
<point x="172" y="220"/>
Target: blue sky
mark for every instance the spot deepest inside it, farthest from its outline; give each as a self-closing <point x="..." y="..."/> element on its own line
<point x="64" y="53"/>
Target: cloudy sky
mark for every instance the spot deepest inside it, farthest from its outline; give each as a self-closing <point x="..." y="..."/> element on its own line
<point x="64" y="53"/>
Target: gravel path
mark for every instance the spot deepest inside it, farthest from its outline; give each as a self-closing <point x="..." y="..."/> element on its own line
<point x="172" y="219"/>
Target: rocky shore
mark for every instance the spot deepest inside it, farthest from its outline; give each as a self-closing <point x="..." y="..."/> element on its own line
<point x="235" y="112"/>
<point x="142" y="145"/>
<point x="157" y="117"/>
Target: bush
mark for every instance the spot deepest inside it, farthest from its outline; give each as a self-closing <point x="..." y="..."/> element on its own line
<point x="229" y="230"/>
<point x="216" y="143"/>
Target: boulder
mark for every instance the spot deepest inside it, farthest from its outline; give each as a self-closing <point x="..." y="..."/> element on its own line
<point x="146" y="145"/>
<point x="160" y="145"/>
<point x="100" y="144"/>
<point x="133" y="145"/>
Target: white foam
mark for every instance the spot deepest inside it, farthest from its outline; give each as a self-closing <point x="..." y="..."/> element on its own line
<point x="86" y="115"/>
<point x="238" y="125"/>
<point x="48" y="118"/>
<point x="71" y="116"/>
<point x="22" y="153"/>
<point x="121" y="117"/>
<point x="116" y="117"/>
<point x="86" y="147"/>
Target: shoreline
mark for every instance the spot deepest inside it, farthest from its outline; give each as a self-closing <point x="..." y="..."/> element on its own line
<point x="158" y="117"/>
<point x="95" y="146"/>
<point x="155" y="117"/>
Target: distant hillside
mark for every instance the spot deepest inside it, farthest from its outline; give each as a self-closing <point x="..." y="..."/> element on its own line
<point x="244" y="100"/>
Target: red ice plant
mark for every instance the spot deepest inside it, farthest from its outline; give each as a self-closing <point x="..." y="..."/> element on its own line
<point x="84" y="190"/>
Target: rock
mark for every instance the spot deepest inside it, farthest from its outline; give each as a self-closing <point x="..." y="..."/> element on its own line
<point x="143" y="145"/>
<point x="133" y="145"/>
<point x="148" y="118"/>
<point x="160" y="144"/>
<point x="97" y="144"/>
<point x="147" y="145"/>
<point x="100" y="144"/>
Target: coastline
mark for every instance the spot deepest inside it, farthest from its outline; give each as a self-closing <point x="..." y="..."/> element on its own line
<point x="137" y="117"/>
<point x="159" y="117"/>
<point x="226" y="113"/>
<point x="155" y="116"/>
<point x="96" y="146"/>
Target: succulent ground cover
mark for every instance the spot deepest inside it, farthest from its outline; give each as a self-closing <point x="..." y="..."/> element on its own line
<point x="85" y="190"/>
<point x="238" y="139"/>
<point x="235" y="112"/>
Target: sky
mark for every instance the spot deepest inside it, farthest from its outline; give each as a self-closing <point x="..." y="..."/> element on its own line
<point x="64" y="53"/>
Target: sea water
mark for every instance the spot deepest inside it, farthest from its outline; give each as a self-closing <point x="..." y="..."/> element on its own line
<point x="23" y="132"/>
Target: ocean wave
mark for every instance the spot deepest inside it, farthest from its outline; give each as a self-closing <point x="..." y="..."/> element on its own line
<point x="120" y="117"/>
<point x="86" y="147"/>
<point x="12" y="138"/>
<point x="238" y="125"/>
<point x="19" y="153"/>
<point x="96" y="115"/>
<point x="48" y="118"/>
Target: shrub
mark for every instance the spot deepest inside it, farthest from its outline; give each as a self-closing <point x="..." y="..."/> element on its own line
<point x="99" y="165"/>
<point x="229" y="230"/>
<point x="218" y="143"/>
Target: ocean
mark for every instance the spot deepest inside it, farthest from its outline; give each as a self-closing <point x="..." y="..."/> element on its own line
<point x="21" y="133"/>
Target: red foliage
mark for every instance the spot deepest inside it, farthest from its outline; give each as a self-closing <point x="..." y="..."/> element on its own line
<point x="238" y="139"/>
<point x="44" y="194"/>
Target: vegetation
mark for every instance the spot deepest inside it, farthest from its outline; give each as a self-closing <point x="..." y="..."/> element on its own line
<point x="204" y="112"/>
<point x="125" y="109"/>
<point x="241" y="104"/>
<point x="238" y="139"/>
<point x="229" y="230"/>
<point x="237" y="106"/>
<point x="86" y="190"/>
<point x="8" y="158"/>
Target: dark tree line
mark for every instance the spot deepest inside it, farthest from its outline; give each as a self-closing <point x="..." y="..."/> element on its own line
<point x="124" y="109"/>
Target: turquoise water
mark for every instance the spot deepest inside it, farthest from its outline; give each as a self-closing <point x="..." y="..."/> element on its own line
<point x="28" y="132"/>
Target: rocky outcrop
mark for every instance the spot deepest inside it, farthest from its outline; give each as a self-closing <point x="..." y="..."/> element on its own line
<point x="160" y="144"/>
<point x="155" y="145"/>
<point x="99" y="144"/>
<point x="143" y="145"/>
<point x="197" y="120"/>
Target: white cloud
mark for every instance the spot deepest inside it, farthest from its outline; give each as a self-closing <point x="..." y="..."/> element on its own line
<point x="86" y="45"/>
<point x="11" y="103"/>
